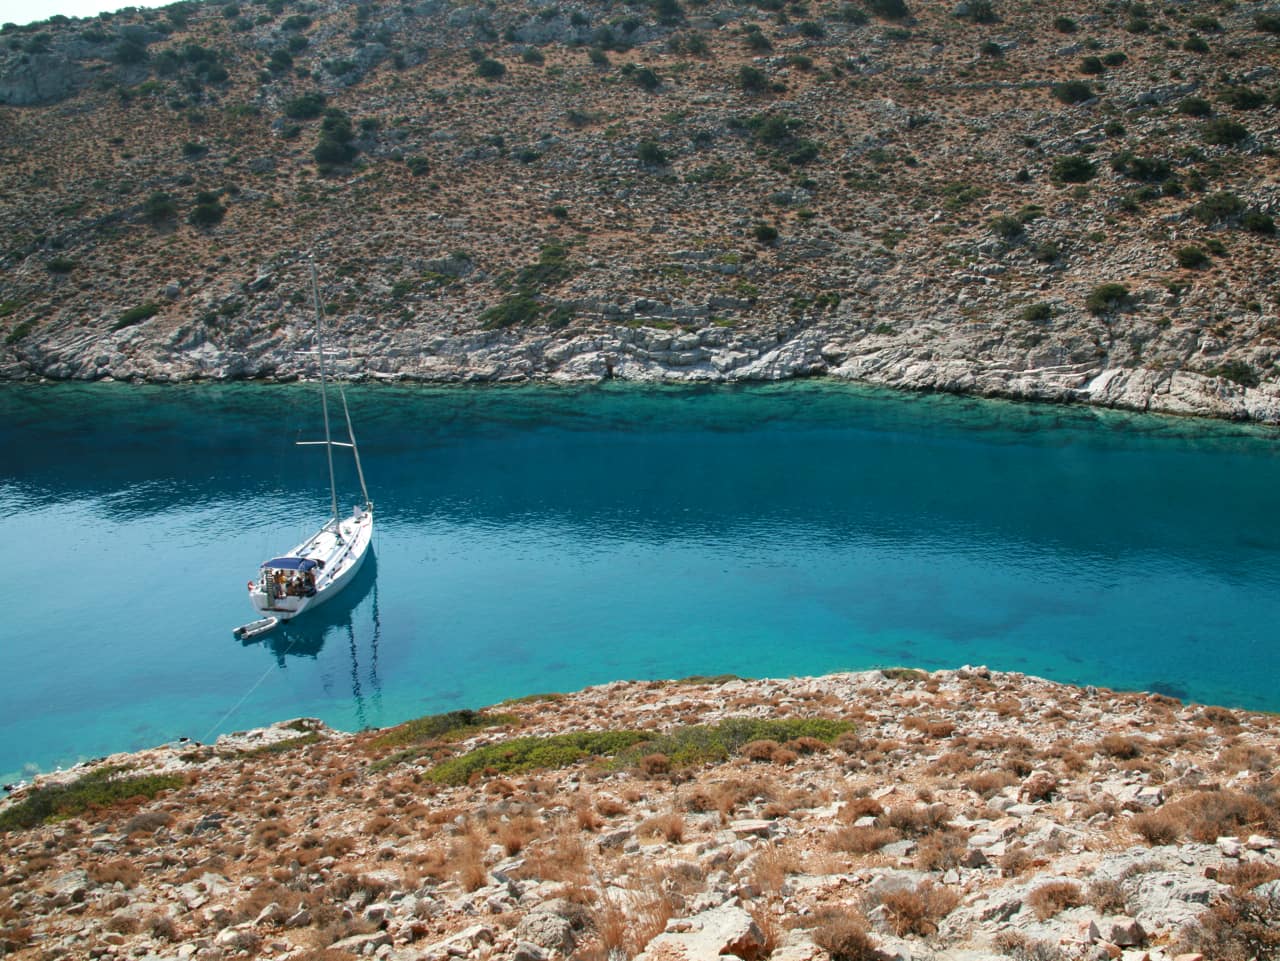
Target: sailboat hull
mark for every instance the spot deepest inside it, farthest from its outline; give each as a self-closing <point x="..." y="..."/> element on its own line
<point x="332" y="557"/>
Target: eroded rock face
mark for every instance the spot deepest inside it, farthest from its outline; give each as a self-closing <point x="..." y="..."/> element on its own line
<point x="41" y="78"/>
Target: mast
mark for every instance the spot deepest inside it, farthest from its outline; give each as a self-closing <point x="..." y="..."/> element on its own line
<point x="324" y="396"/>
<point x="351" y="434"/>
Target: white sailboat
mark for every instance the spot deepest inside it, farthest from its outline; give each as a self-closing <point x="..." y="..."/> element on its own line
<point x="322" y="565"/>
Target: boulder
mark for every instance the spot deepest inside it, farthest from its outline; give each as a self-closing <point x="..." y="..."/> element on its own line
<point x="547" y="930"/>
<point x="726" y="930"/>
<point x="1125" y="932"/>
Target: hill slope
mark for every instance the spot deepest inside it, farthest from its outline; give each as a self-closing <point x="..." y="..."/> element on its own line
<point x="1060" y="201"/>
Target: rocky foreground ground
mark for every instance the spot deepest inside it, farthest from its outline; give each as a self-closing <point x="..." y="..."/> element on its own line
<point x="959" y="815"/>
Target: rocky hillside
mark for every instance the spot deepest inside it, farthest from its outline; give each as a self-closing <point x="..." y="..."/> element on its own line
<point x="959" y="816"/>
<point x="1063" y="201"/>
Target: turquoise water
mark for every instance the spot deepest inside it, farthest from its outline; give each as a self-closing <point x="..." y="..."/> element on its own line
<point x="535" y="539"/>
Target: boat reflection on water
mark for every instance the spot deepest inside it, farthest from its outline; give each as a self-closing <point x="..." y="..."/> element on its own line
<point x="342" y="623"/>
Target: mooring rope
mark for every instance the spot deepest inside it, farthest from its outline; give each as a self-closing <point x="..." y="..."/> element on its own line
<point x="247" y="695"/>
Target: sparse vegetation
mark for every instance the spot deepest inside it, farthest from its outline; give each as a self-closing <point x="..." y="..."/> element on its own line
<point x="103" y="788"/>
<point x="1107" y="298"/>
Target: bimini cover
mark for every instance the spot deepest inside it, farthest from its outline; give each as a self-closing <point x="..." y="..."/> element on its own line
<point x="291" y="564"/>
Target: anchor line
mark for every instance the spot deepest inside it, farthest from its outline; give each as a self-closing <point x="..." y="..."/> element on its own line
<point x="240" y="703"/>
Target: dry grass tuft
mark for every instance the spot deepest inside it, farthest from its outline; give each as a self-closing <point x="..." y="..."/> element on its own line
<point x="987" y="784"/>
<point x="1236" y="928"/>
<point x="861" y="840"/>
<point x="1054" y="896"/>
<point x="668" y="826"/>
<point x="942" y="850"/>
<point x="467" y="855"/>
<point x="1205" y="816"/>
<point x="843" y="934"/>
<point x="919" y="911"/>
<point x="117" y="870"/>
<point x="625" y="924"/>
<point x="517" y="832"/>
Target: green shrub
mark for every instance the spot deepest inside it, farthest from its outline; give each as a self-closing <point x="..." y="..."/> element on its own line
<point x="1148" y="169"/>
<point x="19" y="331"/>
<point x="979" y="11"/>
<point x="667" y="11"/>
<point x="1255" y="221"/>
<point x="701" y="744"/>
<point x="1072" y="91"/>
<point x="60" y="265"/>
<point x="102" y="788"/>
<point x="756" y="41"/>
<point x="766" y="234"/>
<point x="1236" y="371"/>
<point x="1217" y="207"/>
<point x="207" y="213"/>
<point x="335" y="146"/>
<point x="645" y="78"/>
<point x="136" y="315"/>
<point x="752" y="79"/>
<point x="1224" y="132"/>
<point x="1242" y="98"/>
<point x="130" y="52"/>
<point x="1107" y="298"/>
<point x="1195" y="44"/>
<point x="1116" y="58"/>
<point x="1205" y="23"/>
<point x="889" y="9"/>
<point x="1191" y="257"/>
<point x="1006" y="227"/>
<point x="852" y="14"/>
<point x="683" y="747"/>
<point x="1037" y="313"/>
<point x="1267" y="22"/>
<point x="1091" y="65"/>
<point x="1195" y="107"/>
<point x="1065" y="25"/>
<point x="523" y="754"/>
<point x="490" y="69"/>
<point x="519" y="308"/>
<point x="418" y="166"/>
<point x="308" y="106"/>
<point x="1074" y="169"/>
<point x="991" y="49"/>
<point x="450" y="726"/>
<point x="650" y="154"/>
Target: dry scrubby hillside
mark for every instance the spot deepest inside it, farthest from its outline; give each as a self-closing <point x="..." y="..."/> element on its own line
<point x="960" y="816"/>
<point x="1067" y="201"/>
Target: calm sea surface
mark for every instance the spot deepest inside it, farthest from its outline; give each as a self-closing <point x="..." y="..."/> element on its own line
<point x="535" y="539"/>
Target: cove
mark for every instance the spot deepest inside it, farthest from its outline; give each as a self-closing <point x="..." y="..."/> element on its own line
<point x="540" y="538"/>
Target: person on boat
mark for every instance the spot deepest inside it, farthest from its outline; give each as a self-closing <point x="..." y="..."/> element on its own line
<point x="309" y="583"/>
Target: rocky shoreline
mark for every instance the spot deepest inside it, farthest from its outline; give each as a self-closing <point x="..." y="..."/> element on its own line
<point x="962" y="815"/>
<point x="641" y="354"/>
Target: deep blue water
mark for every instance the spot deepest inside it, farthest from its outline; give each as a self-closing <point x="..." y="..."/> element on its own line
<point x="536" y="538"/>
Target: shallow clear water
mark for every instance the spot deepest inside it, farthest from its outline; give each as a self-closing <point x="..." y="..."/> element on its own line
<point x="536" y="538"/>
